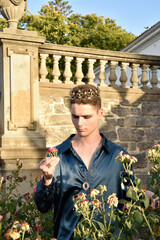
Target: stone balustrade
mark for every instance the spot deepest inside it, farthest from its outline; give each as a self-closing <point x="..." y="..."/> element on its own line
<point x="107" y="68"/>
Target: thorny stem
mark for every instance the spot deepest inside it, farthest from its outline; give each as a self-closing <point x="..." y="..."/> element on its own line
<point x="148" y="224"/>
<point x="103" y="212"/>
<point x="110" y="219"/>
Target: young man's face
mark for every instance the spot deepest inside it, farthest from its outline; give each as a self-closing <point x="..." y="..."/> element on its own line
<point x="85" y="118"/>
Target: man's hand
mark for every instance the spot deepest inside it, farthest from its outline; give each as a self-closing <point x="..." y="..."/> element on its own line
<point x="152" y="200"/>
<point x="48" y="165"/>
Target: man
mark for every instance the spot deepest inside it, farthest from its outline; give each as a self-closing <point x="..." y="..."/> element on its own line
<point x="85" y="161"/>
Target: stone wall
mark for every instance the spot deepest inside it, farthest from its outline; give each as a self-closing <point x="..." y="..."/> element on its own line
<point x="131" y="118"/>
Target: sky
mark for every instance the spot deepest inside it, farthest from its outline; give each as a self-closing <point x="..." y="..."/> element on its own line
<point x="134" y="16"/>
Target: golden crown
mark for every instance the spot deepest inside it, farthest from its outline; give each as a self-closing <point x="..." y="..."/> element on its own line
<point x="85" y="94"/>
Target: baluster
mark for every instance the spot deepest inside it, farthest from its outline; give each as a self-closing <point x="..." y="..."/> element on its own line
<point x="154" y="80"/>
<point x="123" y="79"/>
<point x="144" y="79"/>
<point x="79" y="74"/>
<point x="56" y="72"/>
<point x="102" y="73"/>
<point x="134" y="77"/>
<point x="43" y="69"/>
<point x="113" y="77"/>
<point x="90" y="74"/>
<point x="67" y="72"/>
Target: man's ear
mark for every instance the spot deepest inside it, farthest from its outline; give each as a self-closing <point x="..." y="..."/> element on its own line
<point x="100" y="113"/>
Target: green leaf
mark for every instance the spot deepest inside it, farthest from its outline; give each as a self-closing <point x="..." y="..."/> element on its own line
<point x="129" y="224"/>
<point x="12" y="207"/>
<point x="100" y="225"/>
<point x="122" y="201"/>
<point x="138" y="183"/>
<point x="146" y="202"/>
<point x="131" y="194"/>
<point x="122" y="185"/>
<point x="137" y="216"/>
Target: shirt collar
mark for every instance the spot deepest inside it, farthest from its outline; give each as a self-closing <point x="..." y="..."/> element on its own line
<point x="66" y="145"/>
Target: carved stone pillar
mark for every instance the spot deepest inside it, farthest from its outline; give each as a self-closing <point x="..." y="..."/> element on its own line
<point x="113" y="77"/>
<point x="102" y="73"/>
<point x="43" y="69"/>
<point x="123" y="78"/>
<point x="79" y="74"/>
<point x="134" y="77"/>
<point x="19" y="100"/>
<point x="90" y="74"/>
<point x="144" y="78"/>
<point x="67" y="72"/>
<point x="56" y="72"/>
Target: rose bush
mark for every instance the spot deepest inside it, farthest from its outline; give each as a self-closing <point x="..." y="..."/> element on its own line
<point x="20" y="219"/>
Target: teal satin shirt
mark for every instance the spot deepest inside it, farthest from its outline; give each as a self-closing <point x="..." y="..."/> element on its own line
<point x="70" y="174"/>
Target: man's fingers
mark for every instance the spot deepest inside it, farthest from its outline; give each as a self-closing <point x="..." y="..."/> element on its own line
<point x="49" y="162"/>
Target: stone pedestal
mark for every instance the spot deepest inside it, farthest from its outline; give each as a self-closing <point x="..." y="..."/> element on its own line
<point x="19" y="100"/>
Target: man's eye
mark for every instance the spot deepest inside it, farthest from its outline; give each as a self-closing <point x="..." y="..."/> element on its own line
<point x="87" y="117"/>
<point x="74" y="116"/>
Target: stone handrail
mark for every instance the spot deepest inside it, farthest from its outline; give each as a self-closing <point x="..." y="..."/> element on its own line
<point x="111" y="62"/>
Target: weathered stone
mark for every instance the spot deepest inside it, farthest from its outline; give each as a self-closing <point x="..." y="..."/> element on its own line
<point x="110" y="124"/>
<point x="67" y="102"/>
<point x="59" y="108"/>
<point x="124" y="145"/>
<point x="46" y="109"/>
<point x="121" y="111"/>
<point x="56" y="135"/>
<point x="144" y="145"/>
<point x="127" y="103"/>
<point x="133" y="135"/>
<point x="120" y="122"/>
<point x="138" y="121"/>
<point x="136" y="111"/>
<point x="54" y="120"/>
<point x="153" y="134"/>
<point x="112" y="136"/>
<point x="132" y="146"/>
<point x="142" y="161"/>
<point x="156" y="121"/>
<point x="143" y="176"/>
<point x="151" y="108"/>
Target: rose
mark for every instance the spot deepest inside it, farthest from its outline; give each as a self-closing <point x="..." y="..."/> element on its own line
<point x="112" y="200"/>
<point x="96" y="203"/>
<point x="52" y="152"/>
<point x="93" y="193"/>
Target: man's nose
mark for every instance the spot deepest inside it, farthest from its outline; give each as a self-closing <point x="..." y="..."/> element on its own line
<point x="80" y="121"/>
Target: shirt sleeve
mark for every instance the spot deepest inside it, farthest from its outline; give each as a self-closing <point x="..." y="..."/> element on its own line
<point x="44" y="196"/>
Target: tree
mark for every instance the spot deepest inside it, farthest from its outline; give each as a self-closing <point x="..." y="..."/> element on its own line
<point x="3" y="23"/>
<point x="97" y="32"/>
<point x="62" y="6"/>
<point x="49" y="23"/>
<point x="59" y="26"/>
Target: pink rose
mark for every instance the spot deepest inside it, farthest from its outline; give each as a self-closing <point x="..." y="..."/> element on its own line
<point x="53" y="149"/>
<point x="1" y="217"/>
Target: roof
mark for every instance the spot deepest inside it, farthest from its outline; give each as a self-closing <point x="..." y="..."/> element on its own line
<point x="145" y="35"/>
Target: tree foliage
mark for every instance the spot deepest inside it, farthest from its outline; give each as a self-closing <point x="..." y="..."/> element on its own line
<point x="56" y="22"/>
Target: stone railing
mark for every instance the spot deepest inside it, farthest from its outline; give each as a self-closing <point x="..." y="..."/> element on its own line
<point x="132" y="68"/>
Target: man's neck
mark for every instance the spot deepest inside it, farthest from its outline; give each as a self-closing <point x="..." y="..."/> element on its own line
<point x="88" y="140"/>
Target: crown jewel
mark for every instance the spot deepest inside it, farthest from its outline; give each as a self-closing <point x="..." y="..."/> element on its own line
<point x="87" y="94"/>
